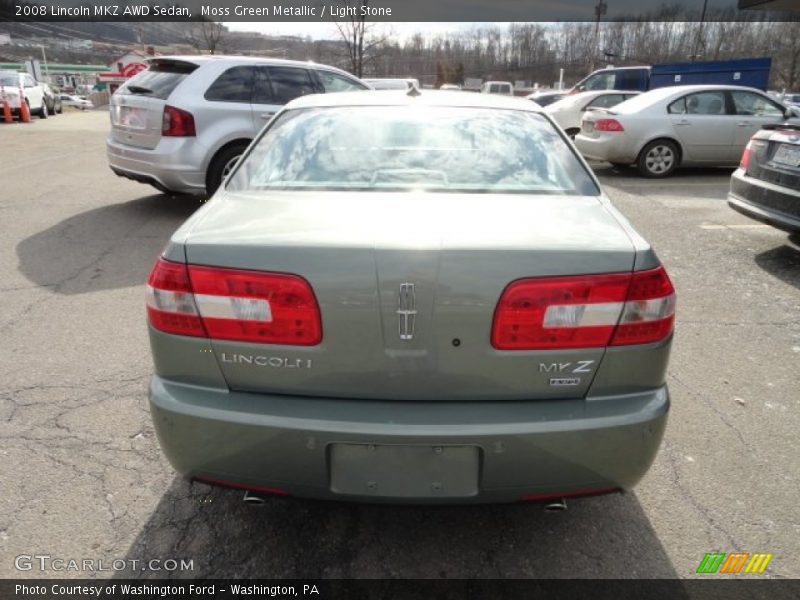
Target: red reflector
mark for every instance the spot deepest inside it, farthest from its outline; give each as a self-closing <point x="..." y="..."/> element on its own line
<point x="242" y="486"/>
<point x="585" y="311"/>
<point x="177" y="123"/>
<point x="254" y="306"/>
<point x="170" y="305"/>
<point x="608" y="125"/>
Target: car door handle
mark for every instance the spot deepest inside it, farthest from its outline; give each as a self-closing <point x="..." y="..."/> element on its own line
<point x="682" y="122"/>
<point x="743" y="124"/>
<point x="267" y="115"/>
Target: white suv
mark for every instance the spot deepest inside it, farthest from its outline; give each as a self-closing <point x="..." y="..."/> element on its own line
<point x="182" y="124"/>
<point x="12" y="82"/>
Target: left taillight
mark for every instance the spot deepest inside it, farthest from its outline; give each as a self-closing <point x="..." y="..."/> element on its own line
<point x="177" y="122"/>
<point x="233" y="304"/>
<point x="746" y="155"/>
<point x="586" y="311"/>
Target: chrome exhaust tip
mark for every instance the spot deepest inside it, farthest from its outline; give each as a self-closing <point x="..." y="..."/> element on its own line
<point x="559" y="505"/>
<point x="254" y="499"/>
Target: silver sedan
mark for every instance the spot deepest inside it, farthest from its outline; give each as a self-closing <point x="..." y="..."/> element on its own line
<point x="697" y="125"/>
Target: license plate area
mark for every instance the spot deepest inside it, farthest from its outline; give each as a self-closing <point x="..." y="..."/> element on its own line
<point x="404" y="471"/>
<point x="787" y="155"/>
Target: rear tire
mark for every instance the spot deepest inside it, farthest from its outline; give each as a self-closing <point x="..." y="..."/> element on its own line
<point x="221" y="165"/>
<point x="658" y="159"/>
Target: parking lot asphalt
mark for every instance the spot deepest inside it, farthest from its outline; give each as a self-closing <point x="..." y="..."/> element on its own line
<point x="82" y="476"/>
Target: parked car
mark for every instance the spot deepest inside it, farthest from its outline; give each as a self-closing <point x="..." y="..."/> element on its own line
<point x="33" y="92"/>
<point x="52" y="99"/>
<point x="391" y="84"/>
<point x="449" y="86"/>
<point x="181" y="124"/>
<point x="546" y="98"/>
<point x="76" y="102"/>
<point x="766" y="186"/>
<point x="510" y="345"/>
<point x="684" y="126"/>
<point x="568" y="111"/>
<point x="504" y="88"/>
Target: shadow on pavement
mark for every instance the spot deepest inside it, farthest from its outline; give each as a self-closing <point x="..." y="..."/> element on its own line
<point x="782" y="262"/>
<point x="104" y="248"/>
<point x="603" y="537"/>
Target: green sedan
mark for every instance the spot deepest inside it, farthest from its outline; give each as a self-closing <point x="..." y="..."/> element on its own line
<point x="410" y="297"/>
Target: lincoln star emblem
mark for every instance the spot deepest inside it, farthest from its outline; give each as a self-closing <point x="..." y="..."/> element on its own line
<point x="406" y="311"/>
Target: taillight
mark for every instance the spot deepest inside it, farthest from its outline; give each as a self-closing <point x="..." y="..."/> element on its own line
<point x="170" y="303"/>
<point x="608" y="125"/>
<point x="748" y="151"/>
<point x="585" y="311"/>
<point x="177" y="122"/>
<point x="234" y="304"/>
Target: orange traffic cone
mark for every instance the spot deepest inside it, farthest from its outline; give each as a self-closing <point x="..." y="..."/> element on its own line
<point x="24" y="110"/>
<point x="6" y="107"/>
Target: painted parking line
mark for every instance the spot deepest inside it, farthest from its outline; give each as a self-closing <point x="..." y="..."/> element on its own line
<point x="747" y="226"/>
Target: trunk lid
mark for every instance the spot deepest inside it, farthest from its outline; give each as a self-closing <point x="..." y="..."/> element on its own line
<point x="137" y="108"/>
<point x="361" y="250"/>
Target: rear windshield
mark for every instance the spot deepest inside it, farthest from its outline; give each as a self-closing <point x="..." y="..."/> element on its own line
<point x="158" y="80"/>
<point x="405" y="147"/>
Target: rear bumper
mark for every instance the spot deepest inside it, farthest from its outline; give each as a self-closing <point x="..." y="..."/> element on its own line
<point x="175" y="164"/>
<point x="765" y="202"/>
<point x="610" y="147"/>
<point x="559" y="447"/>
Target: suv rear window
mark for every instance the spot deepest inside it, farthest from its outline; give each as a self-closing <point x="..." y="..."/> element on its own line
<point x="158" y="80"/>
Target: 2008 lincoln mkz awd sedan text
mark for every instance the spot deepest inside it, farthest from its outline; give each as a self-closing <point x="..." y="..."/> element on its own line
<point x="418" y="297"/>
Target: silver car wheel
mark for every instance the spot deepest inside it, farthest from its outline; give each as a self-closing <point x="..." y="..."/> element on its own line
<point x="659" y="159"/>
<point x="226" y="170"/>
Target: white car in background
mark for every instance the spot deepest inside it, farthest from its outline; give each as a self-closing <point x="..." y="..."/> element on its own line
<point x="12" y="82"/>
<point x="504" y="88"/>
<point x="392" y="84"/>
<point x="76" y="102"/>
<point x="667" y="128"/>
<point x="568" y="111"/>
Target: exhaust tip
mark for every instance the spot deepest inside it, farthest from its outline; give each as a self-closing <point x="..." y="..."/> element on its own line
<point x="254" y="499"/>
<point x="559" y="505"/>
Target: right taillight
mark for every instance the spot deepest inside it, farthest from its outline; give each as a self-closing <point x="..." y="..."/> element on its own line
<point x="611" y="125"/>
<point x="177" y="122"/>
<point x="233" y="304"/>
<point x="586" y="311"/>
<point x="748" y="151"/>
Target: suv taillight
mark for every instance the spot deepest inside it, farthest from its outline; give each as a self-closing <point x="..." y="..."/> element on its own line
<point x="233" y="304"/>
<point x="177" y="122"/>
<point x="585" y="311"/>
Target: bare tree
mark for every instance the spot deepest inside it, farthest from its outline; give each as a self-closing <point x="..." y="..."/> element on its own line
<point x="206" y="36"/>
<point x="362" y="44"/>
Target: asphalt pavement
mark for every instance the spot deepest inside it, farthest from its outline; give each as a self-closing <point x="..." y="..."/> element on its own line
<point x="82" y="475"/>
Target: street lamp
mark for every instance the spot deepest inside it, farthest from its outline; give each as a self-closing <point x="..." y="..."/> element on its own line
<point x="700" y="31"/>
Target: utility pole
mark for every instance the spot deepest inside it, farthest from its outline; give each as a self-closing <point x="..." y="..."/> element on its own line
<point x="599" y="11"/>
<point x="699" y="31"/>
<point x="44" y="60"/>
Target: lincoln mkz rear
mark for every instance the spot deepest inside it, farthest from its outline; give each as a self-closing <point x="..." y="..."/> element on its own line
<point x="421" y="298"/>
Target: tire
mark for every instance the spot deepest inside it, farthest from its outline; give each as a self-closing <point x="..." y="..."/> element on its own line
<point x="43" y="112"/>
<point x="658" y="159"/>
<point x="221" y="165"/>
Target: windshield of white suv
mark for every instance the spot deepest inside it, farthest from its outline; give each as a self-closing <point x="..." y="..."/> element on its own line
<point x="406" y="147"/>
